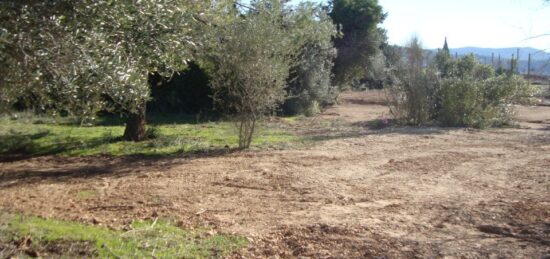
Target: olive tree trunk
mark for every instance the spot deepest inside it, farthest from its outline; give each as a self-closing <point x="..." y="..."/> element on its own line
<point x="135" y="126"/>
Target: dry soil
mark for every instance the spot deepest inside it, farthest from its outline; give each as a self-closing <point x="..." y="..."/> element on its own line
<point x="359" y="191"/>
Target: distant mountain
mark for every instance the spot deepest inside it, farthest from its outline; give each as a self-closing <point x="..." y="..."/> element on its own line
<point x="536" y="54"/>
<point x="540" y="60"/>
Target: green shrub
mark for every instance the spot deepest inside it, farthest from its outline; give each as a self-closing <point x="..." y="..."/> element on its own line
<point x="152" y="132"/>
<point x="461" y="103"/>
<point x="313" y="109"/>
<point x="309" y="83"/>
<point x="474" y="97"/>
<point x="412" y="97"/>
<point x="456" y="93"/>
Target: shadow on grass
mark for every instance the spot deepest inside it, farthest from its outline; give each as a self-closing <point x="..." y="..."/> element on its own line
<point x="14" y="142"/>
<point x="367" y="101"/>
<point x="158" y="119"/>
<point x="18" y="146"/>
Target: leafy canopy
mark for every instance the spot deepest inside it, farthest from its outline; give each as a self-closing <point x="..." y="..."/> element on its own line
<point x="358" y="21"/>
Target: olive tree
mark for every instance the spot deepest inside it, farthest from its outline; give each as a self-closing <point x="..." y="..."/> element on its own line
<point x="412" y="96"/>
<point x="309" y="84"/>
<point x="251" y="58"/>
<point x="40" y="62"/>
<point x="108" y="47"/>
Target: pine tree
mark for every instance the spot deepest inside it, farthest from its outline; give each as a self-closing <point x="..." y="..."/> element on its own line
<point x="446" y="47"/>
<point x="443" y="59"/>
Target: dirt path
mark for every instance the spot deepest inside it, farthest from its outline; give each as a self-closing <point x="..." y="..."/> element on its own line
<point x="396" y="192"/>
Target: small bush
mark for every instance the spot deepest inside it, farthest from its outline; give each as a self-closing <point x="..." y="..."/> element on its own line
<point x="412" y="97"/>
<point x="460" y="103"/>
<point x="313" y="109"/>
<point x="380" y="123"/>
<point x="152" y="132"/>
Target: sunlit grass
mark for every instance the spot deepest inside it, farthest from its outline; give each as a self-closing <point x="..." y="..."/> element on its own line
<point x="86" y="194"/>
<point x="146" y="239"/>
<point x="43" y="135"/>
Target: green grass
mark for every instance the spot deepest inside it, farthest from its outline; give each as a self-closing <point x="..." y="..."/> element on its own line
<point x="159" y="239"/>
<point x="30" y="135"/>
<point x="86" y="194"/>
<point x="292" y="119"/>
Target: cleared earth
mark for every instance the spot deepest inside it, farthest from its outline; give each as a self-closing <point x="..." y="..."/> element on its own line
<point x="365" y="190"/>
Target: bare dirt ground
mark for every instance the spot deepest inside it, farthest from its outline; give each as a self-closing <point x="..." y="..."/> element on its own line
<point x="389" y="193"/>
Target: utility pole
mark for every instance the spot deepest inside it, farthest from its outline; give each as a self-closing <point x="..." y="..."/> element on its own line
<point x="529" y="65"/>
<point x="512" y="61"/>
<point x="493" y="59"/>
<point x="517" y="61"/>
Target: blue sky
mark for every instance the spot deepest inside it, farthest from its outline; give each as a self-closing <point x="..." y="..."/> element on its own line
<point x="479" y="23"/>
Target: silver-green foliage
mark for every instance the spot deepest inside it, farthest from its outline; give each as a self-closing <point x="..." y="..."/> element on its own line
<point x="125" y="41"/>
<point x="251" y="57"/>
<point x="474" y="96"/>
<point x="39" y="58"/>
<point x="310" y="79"/>
<point x="81" y="50"/>
<point x="459" y="92"/>
<point x="413" y="93"/>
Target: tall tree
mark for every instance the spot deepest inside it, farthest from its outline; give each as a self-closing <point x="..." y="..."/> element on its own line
<point x="251" y="58"/>
<point x="131" y="40"/>
<point x="446" y="47"/>
<point x="358" y="21"/>
<point x="443" y="60"/>
<point x="309" y="84"/>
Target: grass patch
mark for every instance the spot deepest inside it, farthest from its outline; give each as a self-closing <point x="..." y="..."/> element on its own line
<point x="159" y="239"/>
<point x="86" y="194"/>
<point x="292" y="120"/>
<point x="50" y="136"/>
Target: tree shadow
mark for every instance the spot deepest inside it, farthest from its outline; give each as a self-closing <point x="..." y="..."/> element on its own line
<point x="55" y="169"/>
<point x="158" y="119"/>
<point x="366" y="101"/>
<point x="373" y="127"/>
<point x="16" y="146"/>
<point x="15" y="142"/>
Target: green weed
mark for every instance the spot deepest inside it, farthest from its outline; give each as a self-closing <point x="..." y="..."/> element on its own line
<point x="158" y="239"/>
<point x="86" y="194"/>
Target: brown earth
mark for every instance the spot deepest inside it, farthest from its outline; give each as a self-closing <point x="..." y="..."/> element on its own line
<point x="358" y="192"/>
